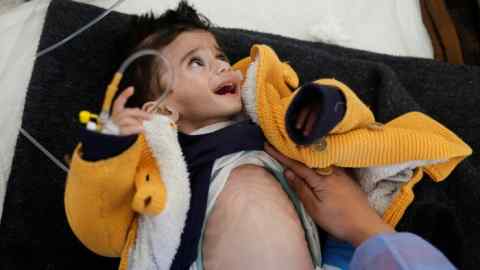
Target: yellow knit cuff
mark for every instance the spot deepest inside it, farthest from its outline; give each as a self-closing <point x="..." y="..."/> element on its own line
<point x="402" y="200"/>
<point x="357" y="114"/>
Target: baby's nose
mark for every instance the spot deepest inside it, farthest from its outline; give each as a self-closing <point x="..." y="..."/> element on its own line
<point x="223" y="67"/>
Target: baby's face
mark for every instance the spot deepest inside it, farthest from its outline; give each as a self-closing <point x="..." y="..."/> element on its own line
<point x="206" y="89"/>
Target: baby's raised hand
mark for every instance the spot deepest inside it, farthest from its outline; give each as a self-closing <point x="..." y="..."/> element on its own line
<point x="128" y="120"/>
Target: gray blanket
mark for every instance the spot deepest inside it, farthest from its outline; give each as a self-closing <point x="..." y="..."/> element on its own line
<point x="34" y="232"/>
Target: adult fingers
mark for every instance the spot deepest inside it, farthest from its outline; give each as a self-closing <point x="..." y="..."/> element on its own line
<point x="309" y="199"/>
<point x="297" y="167"/>
<point x="121" y="100"/>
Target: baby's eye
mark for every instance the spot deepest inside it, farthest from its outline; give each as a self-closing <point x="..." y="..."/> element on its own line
<point x="223" y="57"/>
<point x="196" y="62"/>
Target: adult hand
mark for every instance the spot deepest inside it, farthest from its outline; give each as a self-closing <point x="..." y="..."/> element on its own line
<point x="128" y="120"/>
<point x="335" y="202"/>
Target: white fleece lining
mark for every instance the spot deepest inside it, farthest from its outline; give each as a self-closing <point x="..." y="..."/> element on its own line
<point x="159" y="236"/>
<point x="382" y="183"/>
<point x="402" y="172"/>
<point x="249" y="92"/>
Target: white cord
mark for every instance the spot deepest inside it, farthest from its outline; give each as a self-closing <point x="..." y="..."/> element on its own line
<point x="50" y="49"/>
<point x="79" y="31"/>
<point x="146" y="52"/>
<point x="44" y="150"/>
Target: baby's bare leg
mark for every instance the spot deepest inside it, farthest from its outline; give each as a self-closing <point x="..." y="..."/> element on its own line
<point x="253" y="225"/>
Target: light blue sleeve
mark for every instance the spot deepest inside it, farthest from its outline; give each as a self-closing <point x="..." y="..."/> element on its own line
<point x="398" y="251"/>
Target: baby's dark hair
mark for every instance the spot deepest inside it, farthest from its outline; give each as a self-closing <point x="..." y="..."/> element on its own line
<point x="150" y="32"/>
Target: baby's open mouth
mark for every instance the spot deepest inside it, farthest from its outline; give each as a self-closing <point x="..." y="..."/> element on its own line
<point x="228" y="88"/>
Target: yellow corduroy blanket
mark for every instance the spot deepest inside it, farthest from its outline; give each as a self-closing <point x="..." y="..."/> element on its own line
<point x="357" y="141"/>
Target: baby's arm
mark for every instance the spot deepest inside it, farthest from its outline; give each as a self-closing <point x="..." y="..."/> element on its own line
<point x="313" y="112"/>
<point x="100" y="188"/>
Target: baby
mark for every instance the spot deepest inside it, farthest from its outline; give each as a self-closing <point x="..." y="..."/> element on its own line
<point x="242" y="213"/>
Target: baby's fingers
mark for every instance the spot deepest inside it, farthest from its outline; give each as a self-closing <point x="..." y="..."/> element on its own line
<point x="137" y="114"/>
<point x="131" y="130"/>
<point x="312" y="118"/>
<point x="302" y="116"/>
<point x="129" y="126"/>
<point x="129" y="121"/>
<point x="119" y="104"/>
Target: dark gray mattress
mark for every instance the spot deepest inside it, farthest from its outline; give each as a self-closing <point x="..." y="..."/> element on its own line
<point x="34" y="232"/>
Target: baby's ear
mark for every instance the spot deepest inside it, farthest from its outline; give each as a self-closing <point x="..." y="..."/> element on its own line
<point x="165" y="109"/>
<point x="149" y="106"/>
<point x="173" y="114"/>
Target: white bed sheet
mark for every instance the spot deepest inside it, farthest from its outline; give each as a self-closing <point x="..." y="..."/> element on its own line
<point x="392" y="27"/>
<point x="20" y="30"/>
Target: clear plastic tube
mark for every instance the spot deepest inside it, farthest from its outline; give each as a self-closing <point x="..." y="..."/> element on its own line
<point x="79" y="31"/>
<point x="121" y="70"/>
<point x="50" y="49"/>
<point x="170" y="71"/>
<point x="43" y="150"/>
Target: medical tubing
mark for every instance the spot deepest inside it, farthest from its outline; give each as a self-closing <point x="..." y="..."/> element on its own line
<point x="50" y="49"/>
<point x="79" y="31"/>
<point x="113" y="86"/>
<point x="44" y="150"/>
<point x="115" y="81"/>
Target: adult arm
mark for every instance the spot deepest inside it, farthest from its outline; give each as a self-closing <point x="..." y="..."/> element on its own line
<point x="398" y="251"/>
<point x="339" y="206"/>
